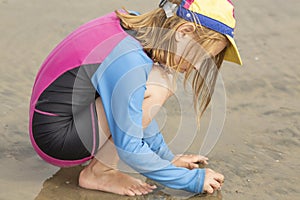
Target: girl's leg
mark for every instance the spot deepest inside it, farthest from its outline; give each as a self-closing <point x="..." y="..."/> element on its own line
<point x="101" y="173"/>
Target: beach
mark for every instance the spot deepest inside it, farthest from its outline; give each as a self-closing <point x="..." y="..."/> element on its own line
<point x="258" y="150"/>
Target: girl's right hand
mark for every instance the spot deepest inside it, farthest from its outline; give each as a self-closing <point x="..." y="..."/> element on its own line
<point x="213" y="181"/>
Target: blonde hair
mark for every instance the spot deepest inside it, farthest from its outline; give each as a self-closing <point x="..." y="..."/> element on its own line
<point x="156" y="33"/>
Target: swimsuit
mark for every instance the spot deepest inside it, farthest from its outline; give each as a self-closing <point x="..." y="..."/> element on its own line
<point x="100" y="59"/>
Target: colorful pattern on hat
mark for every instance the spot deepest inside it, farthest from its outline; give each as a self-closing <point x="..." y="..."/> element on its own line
<point x="217" y="15"/>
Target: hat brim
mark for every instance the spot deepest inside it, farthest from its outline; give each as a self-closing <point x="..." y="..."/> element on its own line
<point x="232" y="54"/>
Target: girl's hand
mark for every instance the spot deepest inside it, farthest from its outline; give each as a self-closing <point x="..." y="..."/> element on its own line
<point x="213" y="181"/>
<point x="189" y="161"/>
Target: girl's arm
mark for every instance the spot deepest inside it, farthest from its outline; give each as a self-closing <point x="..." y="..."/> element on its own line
<point x="159" y="88"/>
<point x="156" y="142"/>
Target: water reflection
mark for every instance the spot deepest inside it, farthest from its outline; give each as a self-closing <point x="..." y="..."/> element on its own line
<point x="64" y="185"/>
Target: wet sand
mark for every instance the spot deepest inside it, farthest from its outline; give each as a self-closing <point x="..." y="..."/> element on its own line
<point x="258" y="151"/>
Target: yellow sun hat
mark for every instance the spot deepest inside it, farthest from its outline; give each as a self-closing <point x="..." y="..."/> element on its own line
<point x="217" y="15"/>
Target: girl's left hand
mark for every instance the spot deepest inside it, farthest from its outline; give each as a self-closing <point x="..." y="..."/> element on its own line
<point x="189" y="161"/>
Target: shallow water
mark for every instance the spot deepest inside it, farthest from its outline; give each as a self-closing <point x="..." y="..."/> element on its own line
<point x="258" y="151"/>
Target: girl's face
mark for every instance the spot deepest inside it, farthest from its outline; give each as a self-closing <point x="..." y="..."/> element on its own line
<point x="219" y="46"/>
<point x="184" y="39"/>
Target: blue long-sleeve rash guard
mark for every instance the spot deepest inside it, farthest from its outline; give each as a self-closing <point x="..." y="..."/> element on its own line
<point x="121" y="82"/>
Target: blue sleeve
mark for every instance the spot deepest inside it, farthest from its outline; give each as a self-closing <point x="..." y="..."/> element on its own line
<point x="156" y="142"/>
<point x="121" y="82"/>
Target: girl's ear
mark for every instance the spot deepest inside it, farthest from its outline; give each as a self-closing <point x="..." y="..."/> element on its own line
<point x="184" y="30"/>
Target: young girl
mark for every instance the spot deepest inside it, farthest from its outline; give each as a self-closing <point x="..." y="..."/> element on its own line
<point x="93" y="95"/>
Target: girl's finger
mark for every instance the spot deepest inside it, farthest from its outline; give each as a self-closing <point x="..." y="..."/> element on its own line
<point x="193" y="166"/>
<point x="219" y="177"/>
<point x="199" y="158"/>
<point x="215" y="184"/>
<point x="204" y="162"/>
<point x="202" y="157"/>
<point x="209" y="190"/>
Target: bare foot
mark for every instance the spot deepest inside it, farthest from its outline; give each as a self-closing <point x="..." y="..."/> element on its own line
<point x="97" y="176"/>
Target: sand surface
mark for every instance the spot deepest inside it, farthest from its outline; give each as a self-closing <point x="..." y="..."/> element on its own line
<point x="258" y="151"/>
